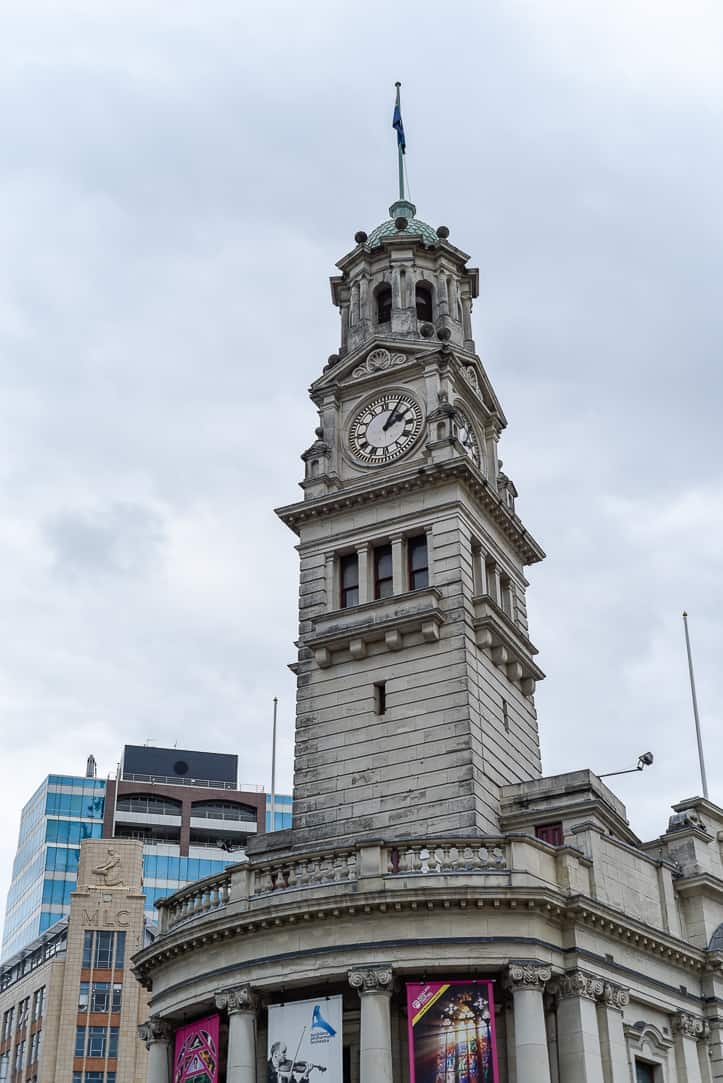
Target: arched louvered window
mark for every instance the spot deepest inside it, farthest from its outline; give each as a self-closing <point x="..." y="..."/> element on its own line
<point x="423" y="298"/>
<point x="384" y="304"/>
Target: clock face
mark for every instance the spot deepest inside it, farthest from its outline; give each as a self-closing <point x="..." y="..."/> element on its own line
<point x="386" y="428"/>
<point x="467" y="436"/>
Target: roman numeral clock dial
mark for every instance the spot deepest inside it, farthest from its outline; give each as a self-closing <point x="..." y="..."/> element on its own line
<point x="385" y="429"/>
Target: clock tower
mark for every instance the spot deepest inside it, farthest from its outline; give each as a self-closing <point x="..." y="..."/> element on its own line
<point x="415" y="670"/>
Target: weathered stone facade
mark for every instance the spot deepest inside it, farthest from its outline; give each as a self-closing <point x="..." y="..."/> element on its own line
<point x="425" y="843"/>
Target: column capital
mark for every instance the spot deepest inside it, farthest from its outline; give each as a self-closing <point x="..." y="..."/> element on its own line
<point x="239" y="998"/>
<point x="580" y="984"/>
<point x="616" y="996"/>
<point x="690" y="1026"/>
<point x="371" y="979"/>
<point x="155" y="1029"/>
<point x="528" y="976"/>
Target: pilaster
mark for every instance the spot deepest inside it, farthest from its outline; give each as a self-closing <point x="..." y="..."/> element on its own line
<point x="578" y="1034"/>
<point x="613" y="1046"/>
<point x="688" y="1030"/>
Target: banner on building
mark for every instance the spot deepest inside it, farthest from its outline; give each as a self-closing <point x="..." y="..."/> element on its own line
<point x="305" y="1041"/>
<point x="195" y="1058"/>
<point x="451" y="1032"/>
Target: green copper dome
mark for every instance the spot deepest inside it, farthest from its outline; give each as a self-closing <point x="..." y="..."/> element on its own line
<point x="413" y="228"/>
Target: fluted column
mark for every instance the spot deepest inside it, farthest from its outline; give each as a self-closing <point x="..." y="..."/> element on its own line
<point x="612" y="1036"/>
<point x="689" y="1030"/>
<point x="374" y="985"/>
<point x="527" y="982"/>
<point x="241" y="1004"/>
<point x="577" y="1027"/>
<point x="157" y="1034"/>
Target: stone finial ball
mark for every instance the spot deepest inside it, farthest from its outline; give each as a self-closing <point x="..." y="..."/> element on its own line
<point x="401" y="222"/>
<point x="444" y="334"/>
<point x="426" y="330"/>
<point x="443" y="232"/>
<point x="318" y="432"/>
<point x="360" y="236"/>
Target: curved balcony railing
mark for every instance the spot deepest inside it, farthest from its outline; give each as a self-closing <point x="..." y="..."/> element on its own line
<point x="265" y="880"/>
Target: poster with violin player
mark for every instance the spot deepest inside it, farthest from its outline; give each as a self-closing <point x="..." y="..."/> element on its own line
<point x="452" y="1032"/>
<point x="305" y="1042"/>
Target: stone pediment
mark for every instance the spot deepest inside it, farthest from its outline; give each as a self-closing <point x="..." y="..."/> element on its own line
<point x="370" y="363"/>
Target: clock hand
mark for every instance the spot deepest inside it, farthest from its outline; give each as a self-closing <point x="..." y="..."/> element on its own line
<point x="391" y="418"/>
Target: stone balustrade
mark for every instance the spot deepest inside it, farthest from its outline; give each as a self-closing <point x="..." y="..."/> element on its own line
<point x="447" y="857"/>
<point x="310" y="870"/>
<point x="194" y="901"/>
<point x="260" y="880"/>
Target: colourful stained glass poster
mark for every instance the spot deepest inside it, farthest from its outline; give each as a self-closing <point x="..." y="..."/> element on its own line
<point x="452" y="1032"/>
<point x="195" y="1057"/>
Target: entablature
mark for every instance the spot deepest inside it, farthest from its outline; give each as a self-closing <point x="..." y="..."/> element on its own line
<point x="408" y="480"/>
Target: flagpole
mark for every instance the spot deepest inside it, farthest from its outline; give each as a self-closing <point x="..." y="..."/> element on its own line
<point x="399" y="150"/>
<point x="703" y="778"/>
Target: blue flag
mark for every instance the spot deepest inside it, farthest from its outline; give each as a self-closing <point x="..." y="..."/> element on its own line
<point x="397" y="123"/>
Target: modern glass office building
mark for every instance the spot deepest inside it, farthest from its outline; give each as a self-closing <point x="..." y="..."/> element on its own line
<point x="183" y="806"/>
<point x="62" y="812"/>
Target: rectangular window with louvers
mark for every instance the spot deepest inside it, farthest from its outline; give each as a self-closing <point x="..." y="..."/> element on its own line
<point x="349" y="580"/>
<point x="383" y="574"/>
<point x="418" y="561"/>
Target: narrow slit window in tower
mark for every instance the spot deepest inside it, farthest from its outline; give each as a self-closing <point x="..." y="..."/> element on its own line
<point x="380" y="697"/>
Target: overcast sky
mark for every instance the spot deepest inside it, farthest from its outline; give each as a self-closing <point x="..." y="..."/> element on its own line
<point x="178" y="180"/>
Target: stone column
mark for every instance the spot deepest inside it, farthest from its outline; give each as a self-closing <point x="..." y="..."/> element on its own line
<point x="399" y="584"/>
<point x="241" y="1004"/>
<point x="527" y="982"/>
<point x="157" y="1033"/>
<point x="689" y="1029"/>
<point x="616" y="1065"/>
<point x="374" y="985"/>
<point x="577" y="1028"/>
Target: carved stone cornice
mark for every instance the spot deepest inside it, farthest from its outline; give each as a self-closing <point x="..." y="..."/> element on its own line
<point x="528" y="976"/>
<point x="579" y="984"/>
<point x="155" y="1029"/>
<point x="372" y="979"/>
<point x="690" y="1026"/>
<point x="615" y="996"/>
<point x="240" y="998"/>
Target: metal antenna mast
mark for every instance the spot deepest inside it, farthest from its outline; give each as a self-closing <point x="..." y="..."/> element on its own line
<point x="701" y="758"/>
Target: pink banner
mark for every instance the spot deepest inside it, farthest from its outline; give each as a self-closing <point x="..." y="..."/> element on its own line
<point x="195" y="1058"/>
<point x="452" y="1032"/>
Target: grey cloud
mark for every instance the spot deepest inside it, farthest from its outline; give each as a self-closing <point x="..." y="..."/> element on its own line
<point x="124" y="539"/>
<point x="177" y="184"/>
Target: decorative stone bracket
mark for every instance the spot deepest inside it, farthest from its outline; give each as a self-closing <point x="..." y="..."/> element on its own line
<point x="508" y="648"/>
<point x="386" y="620"/>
